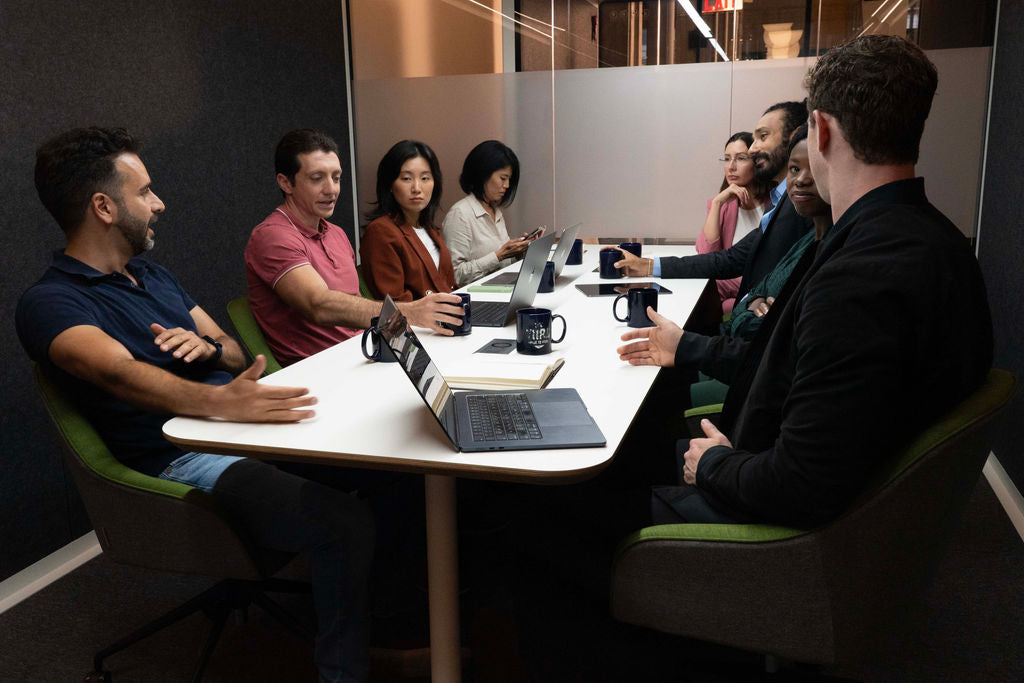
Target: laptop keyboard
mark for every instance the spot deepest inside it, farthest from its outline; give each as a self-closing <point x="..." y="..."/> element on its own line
<point x="489" y="312"/>
<point x="502" y="417"/>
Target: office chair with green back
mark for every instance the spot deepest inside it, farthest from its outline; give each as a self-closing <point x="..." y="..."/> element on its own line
<point x="825" y="596"/>
<point x="251" y="335"/>
<point x="164" y="525"/>
<point x="249" y="332"/>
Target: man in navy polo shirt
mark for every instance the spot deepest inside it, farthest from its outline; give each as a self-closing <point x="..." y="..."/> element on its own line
<point x="133" y="349"/>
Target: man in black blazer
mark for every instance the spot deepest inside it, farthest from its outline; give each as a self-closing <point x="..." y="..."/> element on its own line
<point x="890" y="310"/>
<point x="755" y="255"/>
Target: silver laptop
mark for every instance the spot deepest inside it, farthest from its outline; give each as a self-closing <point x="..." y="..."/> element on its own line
<point x="559" y="258"/>
<point x="489" y="420"/>
<point x="497" y="313"/>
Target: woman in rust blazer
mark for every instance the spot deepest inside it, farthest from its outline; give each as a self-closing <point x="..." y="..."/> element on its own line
<point x="403" y="253"/>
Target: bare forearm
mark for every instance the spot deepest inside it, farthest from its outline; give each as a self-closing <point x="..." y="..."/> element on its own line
<point x="331" y="307"/>
<point x="155" y="389"/>
<point x="232" y="358"/>
<point x="712" y="224"/>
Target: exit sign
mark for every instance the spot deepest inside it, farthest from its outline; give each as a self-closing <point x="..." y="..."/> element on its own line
<point x="722" y="5"/>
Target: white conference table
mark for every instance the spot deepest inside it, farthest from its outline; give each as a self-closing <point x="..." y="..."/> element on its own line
<point x="369" y="415"/>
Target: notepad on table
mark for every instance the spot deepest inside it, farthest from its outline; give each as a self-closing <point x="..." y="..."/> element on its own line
<point x="491" y="289"/>
<point x="491" y="375"/>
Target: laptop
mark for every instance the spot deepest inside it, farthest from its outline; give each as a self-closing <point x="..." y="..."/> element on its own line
<point x="559" y="258"/>
<point x="497" y="313"/>
<point x="489" y="420"/>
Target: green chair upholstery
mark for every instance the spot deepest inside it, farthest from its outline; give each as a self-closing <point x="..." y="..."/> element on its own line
<point x="364" y="289"/>
<point x="693" y="417"/>
<point x="149" y="522"/>
<point x="824" y="596"/>
<point x="250" y="333"/>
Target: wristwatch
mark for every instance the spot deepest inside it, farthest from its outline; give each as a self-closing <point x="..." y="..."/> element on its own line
<point x="219" y="348"/>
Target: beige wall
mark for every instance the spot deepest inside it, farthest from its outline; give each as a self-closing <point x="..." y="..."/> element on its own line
<point x="411" y="38"/>
<point x="631" y="151"/>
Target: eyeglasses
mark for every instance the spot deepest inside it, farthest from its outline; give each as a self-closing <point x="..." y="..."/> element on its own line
<point x="739" y="159"/>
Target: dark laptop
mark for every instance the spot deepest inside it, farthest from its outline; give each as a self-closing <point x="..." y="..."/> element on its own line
<point x="497" y="313"/>
<point x="489" y="420"/>
<point x="559" y="258"/>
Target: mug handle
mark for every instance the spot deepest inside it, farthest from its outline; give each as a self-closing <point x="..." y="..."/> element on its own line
<point x="564" y="328"/>
<point x="615" y="309"/>
<point x="375" y="356"/>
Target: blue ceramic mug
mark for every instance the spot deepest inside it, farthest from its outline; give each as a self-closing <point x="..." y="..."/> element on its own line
<point x="634" y="248"/>
<point x="575" y="257"/>
<point x="533" y="331"/>
<point x="609" y="257"/>
<point x="378" y="352"/>
<point x="637" y="301"/>
<point x="547" y="278"/>
<point x="466" y="327"/>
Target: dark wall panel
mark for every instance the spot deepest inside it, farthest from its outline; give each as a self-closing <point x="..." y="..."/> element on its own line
<point x="210" y="87"/>
<point x="1001" y="247"/>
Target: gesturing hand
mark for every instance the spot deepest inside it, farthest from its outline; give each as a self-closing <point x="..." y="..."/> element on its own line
<point x="246" y="400"/>
<point x="657" y="345"/>
<point x="183" y="344"/>
<point x="692" y="457"/>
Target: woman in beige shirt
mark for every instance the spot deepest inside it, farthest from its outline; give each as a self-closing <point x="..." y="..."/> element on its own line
<point x="474" y="229"/>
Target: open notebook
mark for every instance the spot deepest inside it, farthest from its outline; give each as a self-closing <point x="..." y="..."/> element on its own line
<point x="474" y="374"/>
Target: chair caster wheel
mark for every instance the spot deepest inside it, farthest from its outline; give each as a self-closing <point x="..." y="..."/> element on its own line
<point x="97" y="677"/>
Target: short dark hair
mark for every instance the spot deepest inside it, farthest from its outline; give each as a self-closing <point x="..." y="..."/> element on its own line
<point x="793" y="114"/>
<point x="879" y="89"/>
<point x="300" y="141"/>
<point x="799" y="135"/>
<point x="73" y="166"/>
<point x="387" y="172"/>
<point x="745" y="136"/>
<point x="482" y="162"/>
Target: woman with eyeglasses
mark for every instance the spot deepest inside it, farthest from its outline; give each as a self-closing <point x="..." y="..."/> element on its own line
<point x="735" y="210"/>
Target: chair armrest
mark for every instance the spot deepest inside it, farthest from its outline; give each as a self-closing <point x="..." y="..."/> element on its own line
<point x="736" y="533"/>
<point x="704" y="411"/>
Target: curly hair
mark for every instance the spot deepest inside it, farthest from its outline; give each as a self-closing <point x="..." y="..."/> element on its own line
<point x="880" y="90"/>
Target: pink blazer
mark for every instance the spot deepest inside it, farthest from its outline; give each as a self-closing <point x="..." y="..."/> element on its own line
<point x="727" y="289"/>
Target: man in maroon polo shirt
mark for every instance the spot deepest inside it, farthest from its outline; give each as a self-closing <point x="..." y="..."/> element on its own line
<point x="301" y="269"/>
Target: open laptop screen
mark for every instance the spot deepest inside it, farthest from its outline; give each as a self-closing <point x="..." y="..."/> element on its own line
<point x="395" y="331"/>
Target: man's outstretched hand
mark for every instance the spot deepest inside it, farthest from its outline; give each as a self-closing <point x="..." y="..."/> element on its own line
<point x="657" y="345"/>
<point x="245" y="399"/>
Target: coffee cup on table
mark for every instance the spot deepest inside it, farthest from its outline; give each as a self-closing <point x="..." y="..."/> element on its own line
<point x="533" y="331"/>
<point x="609" y="257"/>
<point x="637" y="301"/>
<point x="379" y="352"/>
<point x="634" y="248"/>
<point x="466" y="327"/>
<point x="547" y="279"/>
<point x="575" y="257"/>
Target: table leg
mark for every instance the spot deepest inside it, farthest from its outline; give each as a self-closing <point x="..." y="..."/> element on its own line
<point x="443" y="578"/>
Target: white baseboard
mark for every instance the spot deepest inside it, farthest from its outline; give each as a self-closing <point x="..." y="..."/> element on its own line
<point x="37" y="576"/>
<point x="1006" y="491"/>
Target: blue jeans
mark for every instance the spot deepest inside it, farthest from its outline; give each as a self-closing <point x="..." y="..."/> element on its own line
<point x="200" y="470"/>
<point x="282" y="511"/>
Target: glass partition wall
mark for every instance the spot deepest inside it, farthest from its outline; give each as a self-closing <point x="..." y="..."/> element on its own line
<point x="619" y="110"/>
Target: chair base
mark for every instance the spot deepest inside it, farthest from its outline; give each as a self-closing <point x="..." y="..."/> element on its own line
<point x="218" y="602"/>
